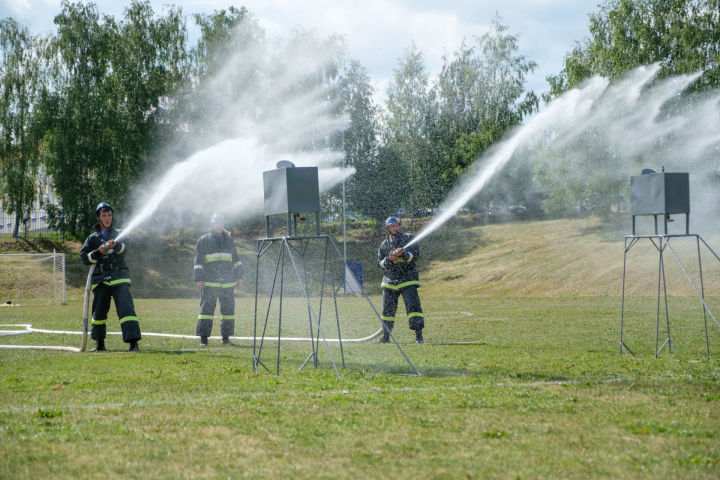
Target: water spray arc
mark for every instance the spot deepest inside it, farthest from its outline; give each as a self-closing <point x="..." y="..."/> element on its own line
<point x="266" y="105"/>
<point x="630" y="113"/>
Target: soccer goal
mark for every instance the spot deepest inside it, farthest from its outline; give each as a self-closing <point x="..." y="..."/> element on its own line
<point x="32" y="278"/>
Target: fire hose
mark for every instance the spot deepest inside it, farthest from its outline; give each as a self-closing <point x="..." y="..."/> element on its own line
<point x="88" y="287"/>
<point x="28" y="329"/>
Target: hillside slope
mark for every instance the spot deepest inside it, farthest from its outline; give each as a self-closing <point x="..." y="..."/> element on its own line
<point x="562" y="257"/>
<point x="535" y="258"/>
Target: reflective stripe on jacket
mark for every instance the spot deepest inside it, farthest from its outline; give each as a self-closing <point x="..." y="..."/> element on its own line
<point x="110" y="269"/>
<point x="216" y="260"/>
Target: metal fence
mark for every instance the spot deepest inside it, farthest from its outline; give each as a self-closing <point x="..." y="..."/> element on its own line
<point x="36" y="226"/>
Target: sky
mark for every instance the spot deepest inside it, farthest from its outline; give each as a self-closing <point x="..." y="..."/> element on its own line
<point x="379" y="32"/>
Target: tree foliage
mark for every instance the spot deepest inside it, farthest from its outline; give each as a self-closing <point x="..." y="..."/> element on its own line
<point x="358" y="141"/>
<point x="103" y="102"/>
<point x="226" y="36"/>
<point x="683" y="36"/>
<point x="20" y="77"/>
<point x="439" y="130"/>
<point x="107" y="94"/>
<point x="411" y="111"/>
<point x="481" y="95"/>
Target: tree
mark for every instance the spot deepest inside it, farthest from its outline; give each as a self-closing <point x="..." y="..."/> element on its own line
<point x="480" y="95"/>
<point x="226" y="63"/>
<point x="20" y="80"/>
<point x="683" y="36"/>
<point x="109" y="80"/>
<point x="379" y="187"/>
<point x="358" y="142"/>
<point x="411" y="111"/>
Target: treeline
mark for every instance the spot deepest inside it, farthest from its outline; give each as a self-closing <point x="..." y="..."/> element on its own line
<point x="93" y="104"/>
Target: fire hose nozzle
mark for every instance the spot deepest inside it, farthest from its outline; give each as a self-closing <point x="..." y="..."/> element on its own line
<point x="397" y="252"/>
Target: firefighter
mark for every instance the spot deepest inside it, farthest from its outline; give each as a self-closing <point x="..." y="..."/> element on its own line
<point x="218" y="270"/>
<point x="400" y="278"/>
<point x="111" y="279"/>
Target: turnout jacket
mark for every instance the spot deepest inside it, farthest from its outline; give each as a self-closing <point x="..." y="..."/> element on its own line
<point x="402" y="272"/>
<point x="110" y="269"/>
<point x="216" y="260"/>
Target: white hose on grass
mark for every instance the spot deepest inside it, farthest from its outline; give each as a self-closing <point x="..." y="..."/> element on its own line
<point x="28" y="329"/>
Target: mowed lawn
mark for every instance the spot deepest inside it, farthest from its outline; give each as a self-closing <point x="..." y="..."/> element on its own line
<point x="511" y="387"/>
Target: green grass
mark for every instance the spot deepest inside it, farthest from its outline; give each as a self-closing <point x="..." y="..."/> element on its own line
<point x="512" y="387"/>
<point x="521" y="373"/>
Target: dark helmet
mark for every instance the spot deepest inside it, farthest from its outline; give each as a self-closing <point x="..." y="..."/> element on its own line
<point x="217" y="218"/>
<point x="101" y="206"/>
<point x="390" y="221"/>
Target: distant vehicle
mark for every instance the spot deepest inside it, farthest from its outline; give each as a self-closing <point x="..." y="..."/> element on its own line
<point x="518" y="211"/>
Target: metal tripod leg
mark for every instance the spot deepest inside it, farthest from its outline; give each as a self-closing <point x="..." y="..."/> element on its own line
<point x="702" y="298"/>
<point x="661" y="273"/>
<point x="624" y="347"/>
<point x="315" y="320"/>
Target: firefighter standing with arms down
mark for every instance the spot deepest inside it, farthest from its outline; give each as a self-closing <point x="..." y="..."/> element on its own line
<point x="400" y="278"/>
<point x="111" y="279"/>
<point x="218" y="270"/>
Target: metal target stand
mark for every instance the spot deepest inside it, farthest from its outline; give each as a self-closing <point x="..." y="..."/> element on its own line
<point x="286" y="247"/>
<point x="659" y="195"/>
<point x="289" y="190"/>
<point x="662" y="243"/>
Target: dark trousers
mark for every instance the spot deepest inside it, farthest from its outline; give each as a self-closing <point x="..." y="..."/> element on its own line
<point x="124" y="307"/>
<point x="412" y="306"/>
<point x="208" y="300"/>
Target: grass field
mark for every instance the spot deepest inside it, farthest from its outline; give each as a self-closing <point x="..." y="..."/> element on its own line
<point x="511" y="387"/>
<point x="530" y="385"/>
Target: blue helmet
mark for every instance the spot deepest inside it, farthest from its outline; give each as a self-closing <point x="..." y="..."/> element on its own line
<point x="217" y="218"/>
<point x="101" y="206"/>
<point x="390" y="221"/>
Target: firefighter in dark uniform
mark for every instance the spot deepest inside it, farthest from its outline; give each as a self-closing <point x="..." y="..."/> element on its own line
<point x="111" y="279"/>
<point x="218" y="270"/>
<point x="400" y="278"/>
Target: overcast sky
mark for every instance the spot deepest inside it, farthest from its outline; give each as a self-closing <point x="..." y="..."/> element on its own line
<point x="378" y="32"/>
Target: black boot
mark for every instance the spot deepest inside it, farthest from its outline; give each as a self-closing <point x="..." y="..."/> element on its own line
<point x="418" y="336"/>
<point x="134" y="347"/>
<point x="100" y="346"/>
<point x="203" y="341"/>
<point x="387" y="328"/>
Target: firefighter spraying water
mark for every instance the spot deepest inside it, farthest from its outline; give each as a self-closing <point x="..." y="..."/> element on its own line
<point x="109" y="277"/>
<point x="397" y="256"/>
